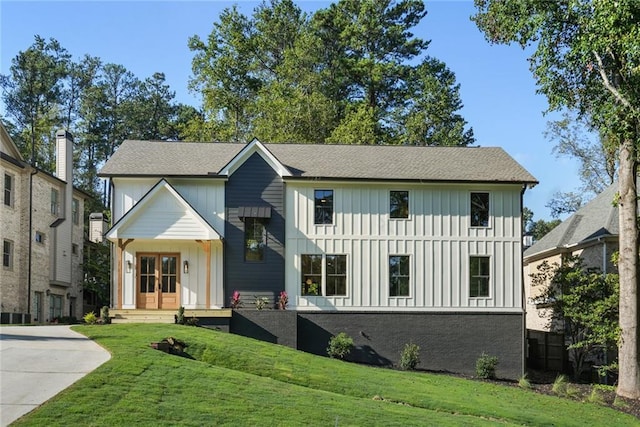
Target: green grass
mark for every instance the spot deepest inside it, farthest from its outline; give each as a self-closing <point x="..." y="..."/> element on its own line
<point x="239" y="381"/>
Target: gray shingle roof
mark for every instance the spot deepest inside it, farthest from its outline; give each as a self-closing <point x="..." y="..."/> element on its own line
<point x="598" y="218"/>
<point x="478" y="164"/>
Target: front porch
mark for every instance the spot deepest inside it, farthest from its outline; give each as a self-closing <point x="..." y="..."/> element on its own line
<point x="205" y="316"/>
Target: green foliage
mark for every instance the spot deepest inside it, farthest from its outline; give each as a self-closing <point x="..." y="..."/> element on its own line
<point x="180" y="316"/>
<point x="340" y="75"/>
<point x="559" y="386"/>
<point x="587" y="302"/>
<point x="262" y="303"/>
<point x="90" y="318"/>
<point x="104" y="315"/>
<point x="537" y="229"/>
<point x="340" y="346"/>
<point x="523" y="382"/>
<point x="486" y="366"/>
<point x="410" y="357"/>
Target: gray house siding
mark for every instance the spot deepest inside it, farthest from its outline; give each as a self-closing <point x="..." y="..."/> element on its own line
<point x="254" y="184"/>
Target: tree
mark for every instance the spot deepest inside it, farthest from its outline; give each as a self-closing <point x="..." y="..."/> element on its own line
<point x="537" y="229"/>
<point x="285" y="76"/>
<point x="586" y="59"/>
<point x="31" y="92"/>
<point x="586" y="302"/>
<point x="596" y="158"/>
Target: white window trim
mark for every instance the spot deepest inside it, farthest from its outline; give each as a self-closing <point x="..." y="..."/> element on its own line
<point x="490" y="213"/>
<point x="408" y="218"/>
<point x="12" y="190"/>
<point x="333" y="209"/>
<point x="323" y="275"/>
<point x="411" y="274"/>
<point x="490" y="284"/>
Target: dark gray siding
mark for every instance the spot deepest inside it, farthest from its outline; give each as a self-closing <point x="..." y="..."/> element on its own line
<point x="254" y="183"/>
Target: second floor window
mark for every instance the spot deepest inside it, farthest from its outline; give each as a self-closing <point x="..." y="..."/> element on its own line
<point x="75" y="211"/>
<point x="479" y="209"/>
<point x="479" y="276"/>
<point x="399" y="275"/>
<point x="8" y="189"/>
<point x="399" y="204"/>
<point x="323" y="207"/>
<point x="55" y="202"/>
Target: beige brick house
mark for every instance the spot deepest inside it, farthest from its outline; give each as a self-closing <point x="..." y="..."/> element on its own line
<point x="42" y="235"/>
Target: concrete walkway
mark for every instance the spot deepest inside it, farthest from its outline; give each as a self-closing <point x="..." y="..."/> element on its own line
<point x="38" y="362"/>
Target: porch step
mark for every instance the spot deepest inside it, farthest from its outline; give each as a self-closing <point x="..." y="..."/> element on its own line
<point x="162" y="316"/>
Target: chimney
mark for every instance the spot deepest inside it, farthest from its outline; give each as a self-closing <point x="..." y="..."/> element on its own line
<point x="64" y="156"/>
<point x="62" y="229"/>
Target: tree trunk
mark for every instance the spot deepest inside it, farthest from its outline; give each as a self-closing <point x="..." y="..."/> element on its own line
<point x="629" y="378"/>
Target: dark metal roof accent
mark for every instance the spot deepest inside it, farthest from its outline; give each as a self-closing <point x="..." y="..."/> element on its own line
<point x="254" y="212"/>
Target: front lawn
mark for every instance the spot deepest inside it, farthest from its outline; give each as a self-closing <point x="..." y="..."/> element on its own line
<point x="240" y="381"/>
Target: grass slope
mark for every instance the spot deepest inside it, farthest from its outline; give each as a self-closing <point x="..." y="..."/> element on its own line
<point x="240" y="381"/>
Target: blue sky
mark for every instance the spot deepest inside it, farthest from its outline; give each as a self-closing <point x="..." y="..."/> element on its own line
<point x="497" y="88"/>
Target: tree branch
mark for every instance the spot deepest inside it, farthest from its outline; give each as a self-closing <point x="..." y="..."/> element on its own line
<point x="609" y="86"/>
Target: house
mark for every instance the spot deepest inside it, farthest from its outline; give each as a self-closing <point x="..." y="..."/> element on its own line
<point x="391" y="244"/>
<point x="591" y="233"/>
<point x="42" y="237"/>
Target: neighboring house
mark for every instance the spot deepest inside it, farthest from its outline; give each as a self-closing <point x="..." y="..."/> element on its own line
<point x="391" y="244"/>
<point x="41" y="229"/>
<point x="590" y="233"/>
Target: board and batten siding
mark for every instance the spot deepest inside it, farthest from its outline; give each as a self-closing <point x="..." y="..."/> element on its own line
<point x="437" y="236"/>
<point x="205" y="195"/>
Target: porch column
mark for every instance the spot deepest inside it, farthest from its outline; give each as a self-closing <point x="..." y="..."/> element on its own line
<point x="120" y="283"/>
<point x="206" y="247"/>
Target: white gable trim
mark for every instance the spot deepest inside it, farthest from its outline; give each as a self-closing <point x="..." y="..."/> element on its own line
<point x="203" y="230"/>
<point x="254" y="146"/>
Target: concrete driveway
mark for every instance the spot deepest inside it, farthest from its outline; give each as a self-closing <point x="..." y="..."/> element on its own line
<point x="38" y="362"/>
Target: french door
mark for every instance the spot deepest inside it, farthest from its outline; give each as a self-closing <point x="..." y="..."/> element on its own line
<point x="158" y="283"/>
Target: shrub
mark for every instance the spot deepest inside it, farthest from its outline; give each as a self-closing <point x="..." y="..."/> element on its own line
<point x="340" y="346"/>
<point x="410" y="357"/>
<point x="104" y="315"/>
<point x="180" y="316"/>
<point x="559" y="386"/>
<point x="90" y="318"/>
<point x="524" y="382"/>
<point x="235" y="300"/>
<point x="261" y="302"/>
<point x="283" y="300"/>
<point x="486" y="366"/>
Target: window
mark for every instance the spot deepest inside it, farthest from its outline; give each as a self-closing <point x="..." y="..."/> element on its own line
<point x="479" y="269"/>
<point x="7" y="254"/>
<point x="8" y="189"/>
<point x="55" y="307"/>
<point x="399" y="204"/>
<point x="324" y="275"/>
<point x="336" y="282"/>
<point x="39" y="237"/>
<point x="74" y="249"/>
<point x="323" y="202"/>
<point x="479" y="209"/>
<point x="399" y="275"/>
<point x="255" y="239"/>
<point x="55" y="201"/>
<point x="75" y="211"/>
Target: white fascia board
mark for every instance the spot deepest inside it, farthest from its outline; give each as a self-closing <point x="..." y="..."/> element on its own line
<point x="255" y="146"/>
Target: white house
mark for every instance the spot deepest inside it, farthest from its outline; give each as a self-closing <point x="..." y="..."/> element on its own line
<point x="390" y="243"/>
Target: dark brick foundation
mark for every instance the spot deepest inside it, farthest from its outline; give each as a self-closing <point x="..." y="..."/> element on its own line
<point x="448" y="341"/>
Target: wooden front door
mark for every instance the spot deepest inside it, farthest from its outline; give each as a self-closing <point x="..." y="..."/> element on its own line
<point x="158" y="281"/>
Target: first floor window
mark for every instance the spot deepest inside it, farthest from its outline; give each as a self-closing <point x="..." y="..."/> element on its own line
<point x="479" y="209"/>
<point x="479" y="268"/>
<point x="74" y="249"/>
<point x="39" y="237"/>
<point x="7" y="254"/>
<point x="324" y="275"/>
<point x="399" y="275"/>
<point x="8" y="189"/>
<point x="255" y="239"/>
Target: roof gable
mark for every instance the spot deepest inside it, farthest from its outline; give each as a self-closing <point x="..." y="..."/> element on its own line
<point x="254" y="146"/>
<point x="7" y="146"/>
<point x="162" y="214"/>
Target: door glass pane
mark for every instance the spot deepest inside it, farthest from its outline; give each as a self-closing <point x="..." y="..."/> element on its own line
<point x="169" y="273"/>
<point x="147" y="274"/>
